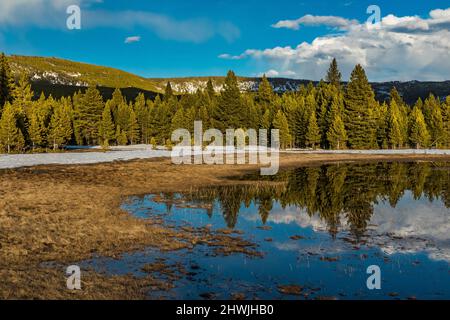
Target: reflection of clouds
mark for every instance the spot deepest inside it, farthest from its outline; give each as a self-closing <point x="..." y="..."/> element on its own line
<point x="413" y="226"/>
<point x="420" y="225"/>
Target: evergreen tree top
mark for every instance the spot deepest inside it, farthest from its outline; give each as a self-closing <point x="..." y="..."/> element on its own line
<point x="168" y="93"/>
<point x="334" y="75"/>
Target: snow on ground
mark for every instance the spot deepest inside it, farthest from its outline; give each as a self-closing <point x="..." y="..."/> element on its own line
<point x="146" y="152"/>
<point x="116" y="154"/>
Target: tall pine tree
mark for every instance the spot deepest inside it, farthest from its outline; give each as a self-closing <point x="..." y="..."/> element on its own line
<point x="88" y="114"/>
<point x="359" y="112"/>
<point x="11" y="137"/>
<point x="6" y="82"/>
<point x="107" y="128"/>
<point x="61" y="131"/>
<point x="313" y="133"/>
<point x="334" y="75"/>
<point x="418" y="133"/>
<point x="280" y="122"/>
<point x="230" y="113"/>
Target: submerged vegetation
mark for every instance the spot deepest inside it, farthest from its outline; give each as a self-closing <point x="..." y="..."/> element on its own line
<point x="328" y="116"/>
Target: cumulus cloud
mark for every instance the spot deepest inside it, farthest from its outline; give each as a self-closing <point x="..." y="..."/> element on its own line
<point x="52" y="14"/>
<point x="315" y="21"/>
<point x="400" y="48"/>
<point x="132" y="39"/>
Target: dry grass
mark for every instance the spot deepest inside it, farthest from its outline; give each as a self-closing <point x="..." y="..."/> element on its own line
<point x="65" y="214"/>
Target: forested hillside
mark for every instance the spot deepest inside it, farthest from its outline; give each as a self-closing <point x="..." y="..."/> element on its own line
<point x="60" y="77"/>
<point x="330" y="115"/>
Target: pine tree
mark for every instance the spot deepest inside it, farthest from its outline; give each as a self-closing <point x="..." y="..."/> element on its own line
<point x="6" y="82"/>
<point x="162" y="121"/>
<point x="153" y="143"/>
<point x="107" y="128"/>
<point x="382" y="125"/>
<point x="142" y="115"/>
<point x="10" y="136"/>
<point x="446" y="121"/>
<point x="210" y="89"/>
<point x="433" y="119"/>
<point x="88" y="114"/>
<point x="266" y="120"/>
<point x="121" y="136"/>
<point x="179" y="120"/>
<point x="229" y="113"/>
<point x="265" y="92"/>
<point x="203" y="116"/>
<point x="168" y="93"/>
<point x="280" y="122"/>
<point x="114" y="103"/>
<point x="61" y="124"/>
<point x="23" y="95"/>
<point x="123" y="116"/>
<point x="334" y="75"/>
<point x="359" y="102"/>
<point x="133" y="130"/>
<point x="418" y="133"/>
<point x="394" y="129"/>
<point x="337" y="135"/>
<point x="313" y="133"/>
<point x="403" y="110"/>
<point x="37" y="129"/>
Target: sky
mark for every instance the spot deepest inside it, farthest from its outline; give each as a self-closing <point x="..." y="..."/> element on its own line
<point x="283" y="38"/>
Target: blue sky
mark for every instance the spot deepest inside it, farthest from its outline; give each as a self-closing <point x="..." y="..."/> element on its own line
<point x="201" y="37"/>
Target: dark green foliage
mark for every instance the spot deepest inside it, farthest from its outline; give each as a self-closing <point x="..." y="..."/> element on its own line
<point x="326" y="116"/>
<point x="107" y="128"/>
<point x="230" y="113"/>
<point x="334" y="75"/>
<point x="359" y="111"/>
<point x="60" y="131"/>
<point x="88" y="114"/>
<point x="11" y="138"/>
<point x="6" y="82"/>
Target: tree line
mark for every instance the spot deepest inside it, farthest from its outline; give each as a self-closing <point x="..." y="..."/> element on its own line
<point x="329" y="115"/>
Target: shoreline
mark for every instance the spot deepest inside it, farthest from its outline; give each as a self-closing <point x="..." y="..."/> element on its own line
<point x="141" y="152"/>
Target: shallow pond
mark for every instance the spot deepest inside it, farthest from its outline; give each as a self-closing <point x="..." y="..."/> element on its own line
<point x="318" y="229"/>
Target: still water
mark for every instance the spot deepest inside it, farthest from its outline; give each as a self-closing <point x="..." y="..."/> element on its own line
<point x="317" y="229"/>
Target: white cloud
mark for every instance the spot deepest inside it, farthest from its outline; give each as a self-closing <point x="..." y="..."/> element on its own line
<point x="132" y="39"/>
<point x="402" y="48"/>
<point x="272" y="73"/>
<point x="310" y="20"/>
<point x="41" y="13"/>
<point x="52" y="14"/>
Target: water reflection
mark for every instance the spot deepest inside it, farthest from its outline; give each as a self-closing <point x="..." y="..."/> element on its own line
<point x="335" y="193"/>
<point x="317" y="227"/>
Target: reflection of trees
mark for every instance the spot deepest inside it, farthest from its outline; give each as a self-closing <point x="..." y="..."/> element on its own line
<point x="334" y="192"/>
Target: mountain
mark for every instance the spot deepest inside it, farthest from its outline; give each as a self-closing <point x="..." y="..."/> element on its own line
<point x="61" y="77"/>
